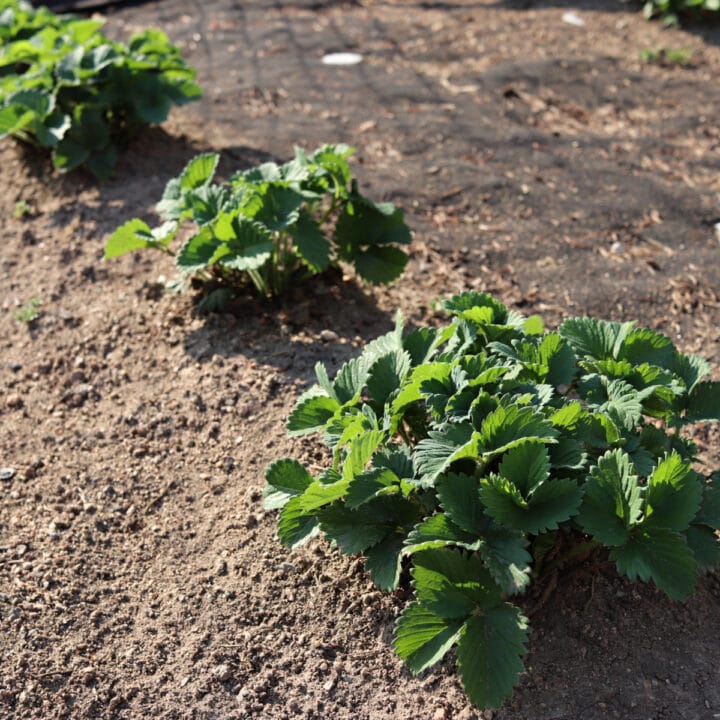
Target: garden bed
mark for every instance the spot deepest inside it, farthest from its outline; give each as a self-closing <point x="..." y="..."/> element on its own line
<point x="535" y="159"/>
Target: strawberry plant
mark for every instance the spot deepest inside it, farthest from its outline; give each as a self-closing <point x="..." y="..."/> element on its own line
<point x="478" y="456"/>
<point x="273" y="225"/>
<point x="66" y="87"/>
<point x="670" y="11"/>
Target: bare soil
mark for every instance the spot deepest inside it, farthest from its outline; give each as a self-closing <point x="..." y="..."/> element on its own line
<point x="535" y="159"/>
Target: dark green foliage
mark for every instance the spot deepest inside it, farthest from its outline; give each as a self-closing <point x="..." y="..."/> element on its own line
<point x="458" y="451"/>
<point x="277" y="224"/>
<point x="66" y="87"/>
<point x="672" y="11"/>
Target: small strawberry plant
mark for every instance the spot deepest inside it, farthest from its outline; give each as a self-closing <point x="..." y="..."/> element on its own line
<point x="66" y="87"/>
<point x="273" y="225"/>
<point x="478" y="456"/>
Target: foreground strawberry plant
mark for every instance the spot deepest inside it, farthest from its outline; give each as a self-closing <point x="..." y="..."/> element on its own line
<point x="65" y="86"/>
<point x="481" y="454"/>
<point x="274" y="225"/>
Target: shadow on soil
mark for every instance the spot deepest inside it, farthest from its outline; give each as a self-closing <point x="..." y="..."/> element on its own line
<point x="294" y="334"/>
<point x="150" y="160"/>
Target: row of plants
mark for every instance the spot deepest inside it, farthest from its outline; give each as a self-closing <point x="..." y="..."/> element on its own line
<point x="470" y="460"/>
<point x="66" y="87"/>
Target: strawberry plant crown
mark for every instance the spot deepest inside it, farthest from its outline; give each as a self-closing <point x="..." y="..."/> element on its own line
<point x="473" y="454"/>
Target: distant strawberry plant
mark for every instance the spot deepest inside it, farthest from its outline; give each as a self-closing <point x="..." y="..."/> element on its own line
<point x="66" y="87"/>
<point x="273" y="225"/>
<point x="671" y="11"/>
<point x="481" y="454"/>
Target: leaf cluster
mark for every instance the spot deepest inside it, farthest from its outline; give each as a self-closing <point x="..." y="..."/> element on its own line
<point x="667" y="57"/>
<point x="273" y="224"/>
<point x="481" y="453"/>
<point x="66" y="87"/>
<point x="671" y="11"/>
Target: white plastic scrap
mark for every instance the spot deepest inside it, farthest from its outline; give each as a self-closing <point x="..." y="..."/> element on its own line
<point x="572" y="18"/>
<point x="342" y="58"/>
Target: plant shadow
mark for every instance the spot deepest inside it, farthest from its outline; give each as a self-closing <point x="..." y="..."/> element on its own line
<point x="144" y="168"/>
<point x="327" y="319"/>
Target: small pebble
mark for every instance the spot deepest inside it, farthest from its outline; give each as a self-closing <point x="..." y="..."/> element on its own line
<point x="7" y="473"/>
<point x="76" y="395"/>
<point x="14" y="401"/>
<point x="328" y="336"/>
<point x="222" y="672"/>
<point x="617" y="248"/>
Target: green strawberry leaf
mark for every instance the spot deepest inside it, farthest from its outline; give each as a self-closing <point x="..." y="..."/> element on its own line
<point x="490" y="652"/>
<point x="612" y="502"/>
<point x="438" y="531"/>
<point x="384" y="562"/>
<point x="311" y="413"/>
<point x="353" y="531"/>
<point x="550" y="503"/>
<point x="250" y="248"/>
<point x="506" y="427"/>
<point x="704" y="402"/>
<point x="597" y="339"/>
<point x="526" y="466"/>
<point x="286" y="479"/>
<point x="423" y="638"/>
<point x="380" y="264"/>
<point x="386" y="375"/>
<point x="371" y="484"/>
<point x="452" y="584"/>
<point x="295" y="526"/>
<point x="660" y="555"/>
<point x="136" y="234"/>
<point x="646" y="346"/>
<point x="673" y="494"/>
<point x="460" y="498"/>
<point x="705" y="546"/>
<point x="311" y="243"/>
<point x="198" y="251"/>
<point x="199" y="171"/>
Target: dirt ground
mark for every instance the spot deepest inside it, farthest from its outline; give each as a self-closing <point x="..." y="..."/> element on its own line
<point x="535" y="159"/>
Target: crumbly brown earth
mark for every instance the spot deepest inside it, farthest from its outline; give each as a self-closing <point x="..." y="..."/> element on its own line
<point x="541" y="161"/>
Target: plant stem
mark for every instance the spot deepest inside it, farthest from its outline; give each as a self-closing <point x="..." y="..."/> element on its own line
<point x="326" y="215"/>
<point x="579" y="551"/>
<point x="260" y="282"/>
